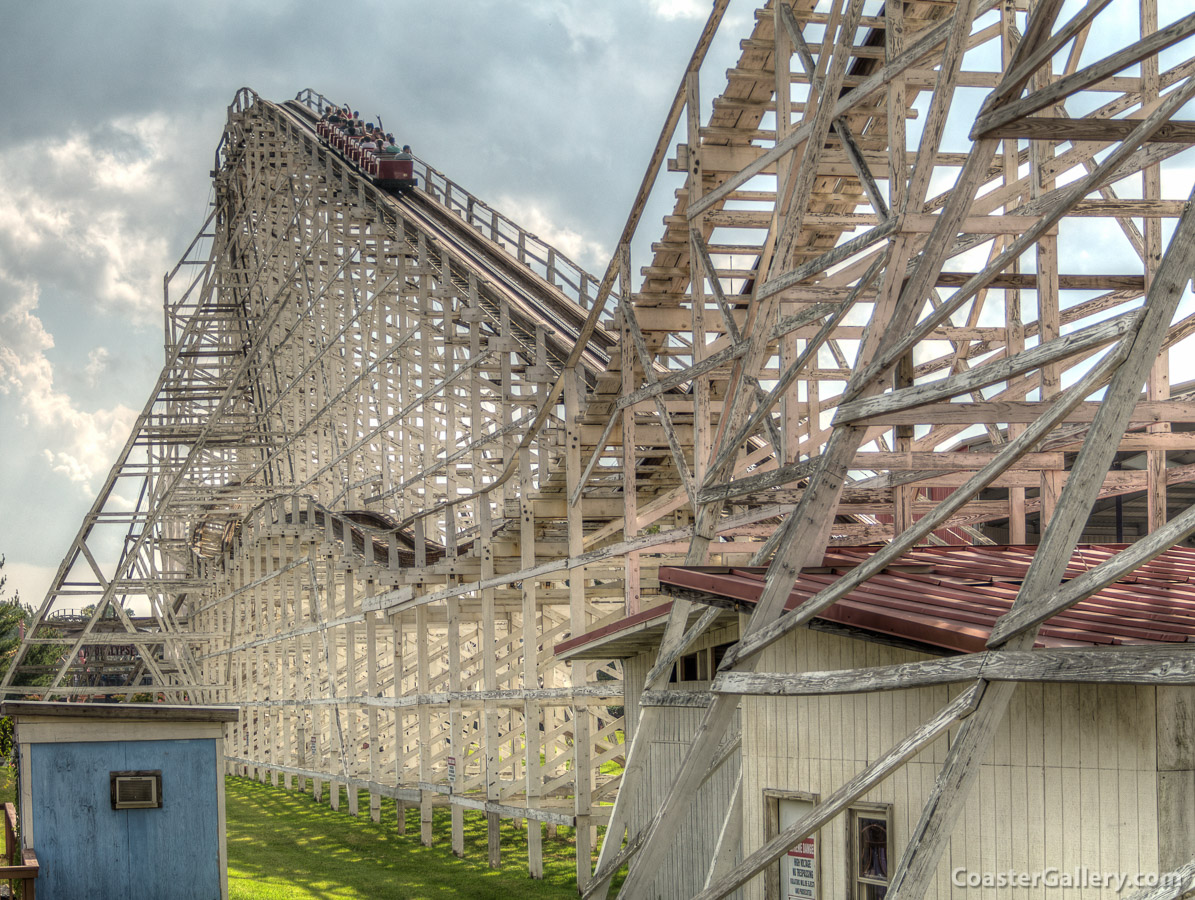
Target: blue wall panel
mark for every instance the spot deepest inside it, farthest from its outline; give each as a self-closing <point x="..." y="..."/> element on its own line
<point x="88" y="849"/>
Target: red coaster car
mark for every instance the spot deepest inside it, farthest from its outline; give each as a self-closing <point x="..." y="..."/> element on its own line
<point x="396" y="173"/>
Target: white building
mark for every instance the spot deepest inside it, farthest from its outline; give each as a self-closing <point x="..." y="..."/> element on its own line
<point x="1088" y="784"/>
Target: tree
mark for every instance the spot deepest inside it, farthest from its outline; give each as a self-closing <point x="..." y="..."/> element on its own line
<point x="15" y="619"/>
<point x="16" y="595"/>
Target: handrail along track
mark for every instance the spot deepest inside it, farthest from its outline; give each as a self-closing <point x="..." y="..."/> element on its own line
<point x="472" y="232"/>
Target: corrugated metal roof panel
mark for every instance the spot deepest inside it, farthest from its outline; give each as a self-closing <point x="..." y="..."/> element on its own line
<point x="951" y="596"/>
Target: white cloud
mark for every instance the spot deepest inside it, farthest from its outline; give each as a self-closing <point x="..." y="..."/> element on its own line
<point x="582" y="22"/>
<point x="74" y="215"/>
<point x="681" y="9"/>
<point x="97" y="363"/>
<point x="76" y="234"/>
<point x="585" y="252"/>
<point x="78" y="444"/>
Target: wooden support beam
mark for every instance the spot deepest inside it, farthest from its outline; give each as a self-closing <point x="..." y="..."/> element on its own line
<point x="1073" y="344"/>
<point x="932" y="832"/>
<point x="1102" y="665"/>
<point x="1036" y="128"/>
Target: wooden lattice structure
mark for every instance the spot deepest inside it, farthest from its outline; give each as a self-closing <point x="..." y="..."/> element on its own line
<point x="349" y="433"/>
<point x="401" y="449"/>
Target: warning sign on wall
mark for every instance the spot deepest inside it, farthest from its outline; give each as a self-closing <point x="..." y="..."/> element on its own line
<point x="800" y="871"/>
<point x="798" y="867"/>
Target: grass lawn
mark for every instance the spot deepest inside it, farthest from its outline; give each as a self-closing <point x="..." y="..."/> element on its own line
<point x="282" y="844"/>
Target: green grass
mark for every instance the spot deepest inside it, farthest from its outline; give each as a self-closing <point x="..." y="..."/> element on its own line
<point x="282" y="844"/>
<point x="8" y="784"/>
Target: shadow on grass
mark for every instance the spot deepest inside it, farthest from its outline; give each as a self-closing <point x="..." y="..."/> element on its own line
<point x="282" y="844"/>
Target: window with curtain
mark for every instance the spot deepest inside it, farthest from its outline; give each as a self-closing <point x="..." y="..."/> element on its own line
<point x="871" y="852"/>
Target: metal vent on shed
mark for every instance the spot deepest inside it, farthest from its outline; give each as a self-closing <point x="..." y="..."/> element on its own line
<point x="136" y="790"/>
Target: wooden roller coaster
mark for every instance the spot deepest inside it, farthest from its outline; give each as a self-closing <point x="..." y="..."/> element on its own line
<point x="925" y="282"/>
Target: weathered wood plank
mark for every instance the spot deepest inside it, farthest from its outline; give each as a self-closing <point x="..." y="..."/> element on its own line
<point x="1106" y="130"/>
<point x="1025" y="411"/>
<point x="1160" y="664"/>
<point x="1073" y="344"/>
<point x="683" y="699"/>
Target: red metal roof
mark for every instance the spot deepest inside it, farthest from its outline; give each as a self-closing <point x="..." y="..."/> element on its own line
<point x="613" y="629"/>
<point x="951" y="596"/>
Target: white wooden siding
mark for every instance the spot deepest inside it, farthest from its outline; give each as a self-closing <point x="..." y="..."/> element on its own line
<point x="1071" y="780"/>
<point x="683" y="872"/>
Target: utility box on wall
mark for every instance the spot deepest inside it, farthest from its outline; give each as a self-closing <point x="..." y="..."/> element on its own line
<point x="122" y="799"/>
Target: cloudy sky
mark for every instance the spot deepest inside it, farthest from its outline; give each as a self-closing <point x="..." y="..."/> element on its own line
<point x="546" y="108"/>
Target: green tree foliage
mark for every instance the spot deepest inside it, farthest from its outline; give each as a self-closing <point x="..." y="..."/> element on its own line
<point x="15" y="620"/>
<point x="16" y="597"/>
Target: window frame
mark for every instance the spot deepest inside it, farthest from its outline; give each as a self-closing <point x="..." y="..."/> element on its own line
<point x="870" y="811"/>
<point x="704" y="663"/>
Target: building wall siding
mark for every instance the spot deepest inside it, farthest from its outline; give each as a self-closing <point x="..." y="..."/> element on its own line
<point x="1071" y="780"/>
<point x="685" y="867"/>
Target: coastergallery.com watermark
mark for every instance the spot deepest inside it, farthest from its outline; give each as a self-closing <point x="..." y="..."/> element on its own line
<point x="1053" y="877"/>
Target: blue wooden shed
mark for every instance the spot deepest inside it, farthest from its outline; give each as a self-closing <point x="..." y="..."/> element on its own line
<point x="123" y="800"/>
